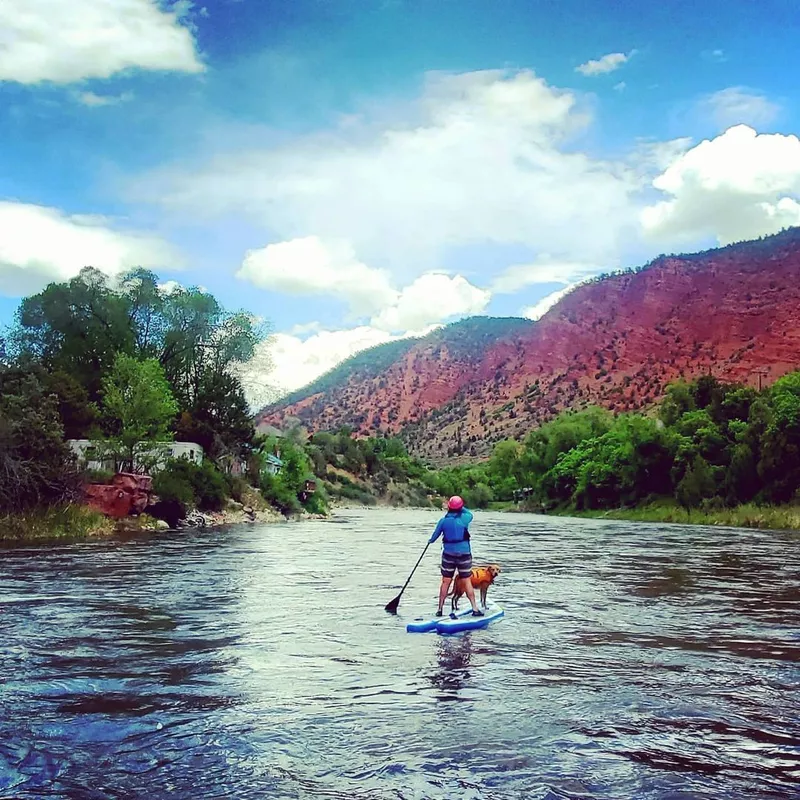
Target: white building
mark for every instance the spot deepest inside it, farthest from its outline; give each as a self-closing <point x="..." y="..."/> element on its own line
<point x="154" y="454"/>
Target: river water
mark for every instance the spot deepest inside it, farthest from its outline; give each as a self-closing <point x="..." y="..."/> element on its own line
<point x="634" y="661"/>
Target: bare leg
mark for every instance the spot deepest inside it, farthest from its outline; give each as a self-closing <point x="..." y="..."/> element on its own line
<point x="470" y="594"/>
<point x="443" y="592"/>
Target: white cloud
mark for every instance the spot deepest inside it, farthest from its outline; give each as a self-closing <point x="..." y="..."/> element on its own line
<point x="484" y="157"/>
<point x="544" y="270"/>
<point x="431" y="298"/>
<point x="311" y="266"/>
<point x="607" y="63"/>
<point x="739" y="185"/>
<point x="620" y="87"/>
<point x="40" y="244"/>
<point x="94" y="100"/>
<point x="737" y="105"/>
<point x="65" y="41"/>
<point x="169" y="287"/>
<point x="539" y="309"/>
<point x="292" y="362"/>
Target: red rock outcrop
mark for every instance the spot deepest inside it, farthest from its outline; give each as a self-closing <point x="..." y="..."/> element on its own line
<point x="127" y="494"/>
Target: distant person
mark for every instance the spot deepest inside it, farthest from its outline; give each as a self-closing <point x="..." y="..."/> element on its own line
<point x="453" y="527"/>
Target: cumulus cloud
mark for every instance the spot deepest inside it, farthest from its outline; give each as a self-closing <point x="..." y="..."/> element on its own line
<point x="64" y="42"/>
<point x="482" y="157"/>
<point x="40" y="244"/>
<point x="539" y="309"/>
<point x="739" y="185"/>
<point x="607" y="63"/>
<point x="737" y="105"/>
<point x="312" y="266"/>
<point x="432" y="298"/>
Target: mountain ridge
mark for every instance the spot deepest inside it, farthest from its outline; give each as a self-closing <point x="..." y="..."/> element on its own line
<point x="615" y="341"/>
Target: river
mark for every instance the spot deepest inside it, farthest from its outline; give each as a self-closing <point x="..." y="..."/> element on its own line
<point x="634" y="661"/>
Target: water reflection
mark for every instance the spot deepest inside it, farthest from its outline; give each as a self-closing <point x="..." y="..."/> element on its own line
<point x="453" y="655"/>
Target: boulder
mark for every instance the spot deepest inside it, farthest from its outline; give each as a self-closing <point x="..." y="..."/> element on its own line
<point x="127" y="494"/>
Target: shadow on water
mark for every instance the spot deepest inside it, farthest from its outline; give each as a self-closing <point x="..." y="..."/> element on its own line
<point x="635" y="662"/>
<point x="453" y="654"/>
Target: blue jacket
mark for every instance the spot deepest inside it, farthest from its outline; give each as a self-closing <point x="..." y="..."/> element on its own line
<point x="452" y="527"/>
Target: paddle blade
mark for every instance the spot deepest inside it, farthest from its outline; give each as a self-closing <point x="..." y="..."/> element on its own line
<point x="391" y="606"/>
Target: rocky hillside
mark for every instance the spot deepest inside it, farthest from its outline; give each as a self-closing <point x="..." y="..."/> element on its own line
<point x="616" y="342"/>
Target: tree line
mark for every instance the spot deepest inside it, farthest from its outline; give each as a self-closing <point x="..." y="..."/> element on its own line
<point x="708" y="444"/>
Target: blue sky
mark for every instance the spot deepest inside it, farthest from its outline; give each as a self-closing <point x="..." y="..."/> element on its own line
<point x="354" y="171"/>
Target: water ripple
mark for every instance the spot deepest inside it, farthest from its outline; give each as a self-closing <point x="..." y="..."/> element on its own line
<point x="635" y="662"/>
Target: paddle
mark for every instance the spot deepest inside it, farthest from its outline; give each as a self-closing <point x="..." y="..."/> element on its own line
<point x="391" y="606"/>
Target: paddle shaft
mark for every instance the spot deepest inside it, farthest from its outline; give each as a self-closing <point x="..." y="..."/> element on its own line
<point x="394" y="603"/>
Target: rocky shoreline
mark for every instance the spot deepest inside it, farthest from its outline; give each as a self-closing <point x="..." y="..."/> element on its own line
<point x="234" y="514"/>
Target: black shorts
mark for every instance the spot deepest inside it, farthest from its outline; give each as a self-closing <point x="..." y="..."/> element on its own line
<point x="452" y="562"/>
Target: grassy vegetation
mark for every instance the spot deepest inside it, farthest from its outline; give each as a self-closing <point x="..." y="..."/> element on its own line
<point x="747" y="515"/>
<point x="60" y="522"/>
<point x="502" y="505"/>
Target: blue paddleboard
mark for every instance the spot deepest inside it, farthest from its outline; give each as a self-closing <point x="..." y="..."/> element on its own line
<point x="423" y="625"/>
<point x="464" y="621"/>
<point x="468" y="622"/>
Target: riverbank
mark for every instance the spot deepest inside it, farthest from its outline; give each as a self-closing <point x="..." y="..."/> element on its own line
<point x="76" y="522"/>
<point x="61" y="523"/>
<point x="747" y="515"/>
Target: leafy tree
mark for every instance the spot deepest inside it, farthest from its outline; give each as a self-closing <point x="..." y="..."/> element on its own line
<point x="779" y="466"/>
<point x="696" y="485"/>
<point x="138" y="407"/>
<point x="80" y="326"/>
<point x="36" y="466"/>
<point x="78" y="415"/>
<point x="202" y="338"/>
<point x="218" y="419"/>
<point x="678" y="400"/>
<point x="77" y="327"/>
<point x="505" y="469"/>
<point x="479" y="496"/>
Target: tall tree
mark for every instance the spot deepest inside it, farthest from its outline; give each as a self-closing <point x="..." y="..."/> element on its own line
<point x="77" y="327"/>
<point x="36" y="466"/>
<point x="138" y="409"/>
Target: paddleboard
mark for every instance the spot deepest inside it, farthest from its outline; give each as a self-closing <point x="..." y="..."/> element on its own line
<point x="423" y="625"/>
<point x="464" y="621"/>
<point x="468" y="623"/>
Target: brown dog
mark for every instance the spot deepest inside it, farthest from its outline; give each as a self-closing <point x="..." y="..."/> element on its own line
<point x="482" y="579"/>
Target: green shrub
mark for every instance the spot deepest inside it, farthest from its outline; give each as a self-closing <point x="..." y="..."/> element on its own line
<point x="280" y="495"/>
<point x="98" y="476"/>
<point x="479" y="496"/>
<point x="191" y="484"/>
<point x="317" y="503"/>
<point x="237" y="487"/>
<point x="210" y="487"/>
